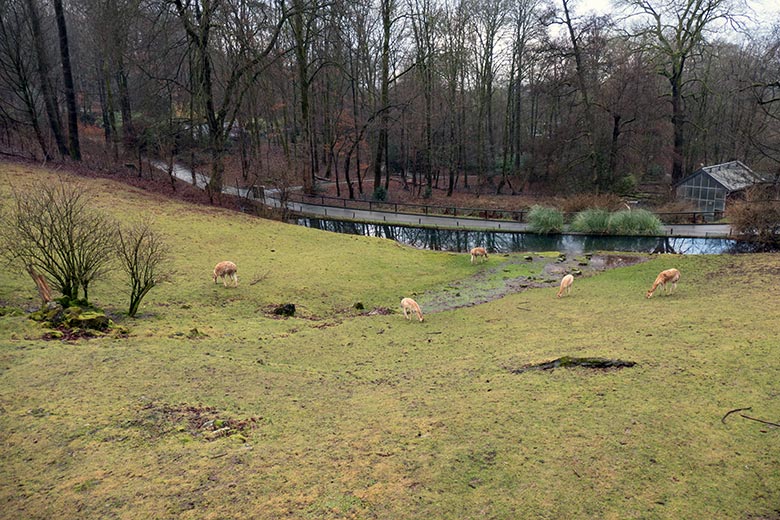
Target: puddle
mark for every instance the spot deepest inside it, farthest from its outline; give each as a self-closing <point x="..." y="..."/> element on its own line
<point x="504" y="279"/>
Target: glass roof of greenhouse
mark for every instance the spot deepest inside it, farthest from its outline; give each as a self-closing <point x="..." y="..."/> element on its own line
<point x="733" y="175"/>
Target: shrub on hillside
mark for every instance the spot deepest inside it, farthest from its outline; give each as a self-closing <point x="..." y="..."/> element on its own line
<point x="56" y="229"/>
<point x="545" y="220"/>
<point x="380" y="194"/>
<point x="142" y="255"/>
<point x="634" y="222"/>
<point x="758" y="216"/>
<point x="594" y="221"/>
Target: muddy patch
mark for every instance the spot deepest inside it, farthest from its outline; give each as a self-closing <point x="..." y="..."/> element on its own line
<point x="518" y="273"/>
<point x="594" y="363"/>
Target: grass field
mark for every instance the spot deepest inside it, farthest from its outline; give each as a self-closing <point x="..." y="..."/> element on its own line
<point x="335" y="413"/>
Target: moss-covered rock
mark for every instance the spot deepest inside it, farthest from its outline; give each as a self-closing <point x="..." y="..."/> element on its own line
<point x="52" y="314"/>
<point x="88" y="320"/>
<point x="54" y="334"/>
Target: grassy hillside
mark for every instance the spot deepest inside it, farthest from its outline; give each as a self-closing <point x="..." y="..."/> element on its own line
<point x="335" y="414"/>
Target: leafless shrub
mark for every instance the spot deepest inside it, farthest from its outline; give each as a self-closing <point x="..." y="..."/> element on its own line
<point x="53" y="228"/>
<point x="142" y="254"/>
<point x="758" y="216"/>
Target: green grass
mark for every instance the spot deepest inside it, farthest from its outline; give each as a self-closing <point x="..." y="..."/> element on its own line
<point x="355" y="416"/>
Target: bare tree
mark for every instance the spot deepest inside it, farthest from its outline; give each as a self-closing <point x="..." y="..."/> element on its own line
<point x="387" y="11"/>
<point x="20" y="104"/>
<point x="674" y="29"/>
<point x="43" y="67"/>
<point x="489" y="24"/>
<point x="218" y="82"/>
<point x="54" y="229"/>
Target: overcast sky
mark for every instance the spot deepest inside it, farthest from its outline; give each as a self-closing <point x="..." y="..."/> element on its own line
<point x="766" y="11"/>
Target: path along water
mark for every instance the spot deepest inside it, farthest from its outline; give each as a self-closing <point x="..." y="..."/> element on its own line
<point x="323" y="213"/>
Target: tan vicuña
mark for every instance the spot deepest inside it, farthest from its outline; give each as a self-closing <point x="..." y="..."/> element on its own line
<point x="409" y="305"/>
<point x="226" y="270"/>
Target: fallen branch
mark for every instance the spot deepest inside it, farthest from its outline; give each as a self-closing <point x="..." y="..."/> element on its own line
<point x="759" y="420"/>
<point x="735" y="410"/>
<point x="723" y="420"/>
<point x="43" y="288"/>
<point x="260" y="278"/>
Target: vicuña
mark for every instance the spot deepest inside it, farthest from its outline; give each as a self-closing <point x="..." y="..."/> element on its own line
<point x="408" y="305"/>
<point x="226" y="270"/>
<point x="671" y="276"/>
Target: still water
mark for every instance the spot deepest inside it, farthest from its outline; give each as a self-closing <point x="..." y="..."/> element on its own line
<point x="503" y="242"/>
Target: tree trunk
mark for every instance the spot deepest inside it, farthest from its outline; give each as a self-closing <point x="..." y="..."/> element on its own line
<point x="70" y="91"/>
<point x="42" y="63"/>
<point x="40" y="281"/>
<point x="590" y="120"/>
<point x="128" y="132"/>
<point x="678" y="122"/>
<point x="384" y="100"/>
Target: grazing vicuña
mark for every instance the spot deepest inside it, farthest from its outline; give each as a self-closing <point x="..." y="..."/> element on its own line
<point x="671" y="276"/>
<point x="226" y="270"/>
<point x="477" y="252"/>
<point x="566" y="283"/>
<point x="408" y="305"/>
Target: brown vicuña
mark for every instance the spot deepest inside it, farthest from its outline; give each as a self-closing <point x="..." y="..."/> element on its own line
<point x="671" y="276"/>
<point x="477" y="252"/>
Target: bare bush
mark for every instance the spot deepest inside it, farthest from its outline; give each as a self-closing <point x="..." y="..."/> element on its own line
<point x="758" y="216"/>
<point x="142" y="254"/>
<point x="54" y="229"/>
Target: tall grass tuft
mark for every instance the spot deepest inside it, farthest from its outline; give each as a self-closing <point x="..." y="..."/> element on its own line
<point x="594" y="220"/>
<point x="545" y="220"/>
<point x="634" y="222"/>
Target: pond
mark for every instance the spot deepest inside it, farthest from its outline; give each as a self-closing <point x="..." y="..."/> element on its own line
<point x="508" y="242"/>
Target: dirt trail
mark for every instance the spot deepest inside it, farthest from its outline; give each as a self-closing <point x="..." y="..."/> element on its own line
<point x="517" y="273"/>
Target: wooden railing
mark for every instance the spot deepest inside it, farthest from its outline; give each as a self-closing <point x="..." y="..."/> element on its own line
<point x="681" y="217"/>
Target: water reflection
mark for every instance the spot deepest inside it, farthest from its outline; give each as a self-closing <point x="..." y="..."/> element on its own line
<point x="503" y="242"/>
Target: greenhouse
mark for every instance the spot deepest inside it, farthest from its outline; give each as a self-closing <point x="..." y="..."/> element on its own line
<point x="709" y="187"/>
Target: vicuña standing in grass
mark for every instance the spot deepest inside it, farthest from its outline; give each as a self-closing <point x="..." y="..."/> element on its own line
<point x="477" y="252"/>
<point x="671" y="276"/>
<point x="226" y="270"/>
<point x="566" y="283"/>
<point x="408" y="305"/>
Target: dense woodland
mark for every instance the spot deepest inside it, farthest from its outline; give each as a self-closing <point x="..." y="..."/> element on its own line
<point x="500" y="96"/>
